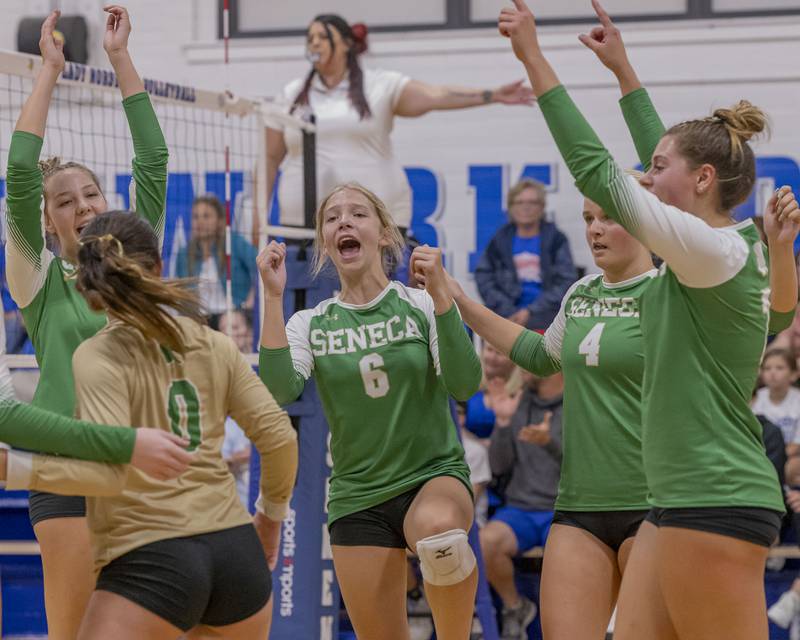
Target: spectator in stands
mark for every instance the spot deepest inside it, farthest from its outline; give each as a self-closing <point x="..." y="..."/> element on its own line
<point x="790" y="338"/>
<point x="527" y="266"/>
<point x="355" y="110"/>
<point x="527" y="442"/>
<point x="236" y="447"/>
<point x="497" y="375"/>
<point x="204" y="258"/>
<point x="476" y="454"/>
<point x="778" y="400"/>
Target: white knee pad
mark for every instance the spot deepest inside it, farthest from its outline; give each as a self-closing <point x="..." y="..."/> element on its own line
<point x="446" y="558"/>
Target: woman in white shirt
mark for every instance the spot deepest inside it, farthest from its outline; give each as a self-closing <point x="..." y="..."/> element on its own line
<point x="355" y="112"/>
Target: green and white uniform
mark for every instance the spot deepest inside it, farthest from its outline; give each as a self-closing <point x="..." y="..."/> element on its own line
<point x="704" y="321"/>
<point x="647" y="130"/>
<point x="596" y="340"/>
<point x="384" y="371"/>
<point x="56" y="316"/>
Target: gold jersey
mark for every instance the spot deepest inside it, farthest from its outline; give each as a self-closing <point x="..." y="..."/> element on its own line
<point x="123" y="379"/>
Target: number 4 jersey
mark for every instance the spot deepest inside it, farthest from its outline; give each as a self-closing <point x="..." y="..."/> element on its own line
<point x="596" y="339"/>
<point x="384" y="389"/>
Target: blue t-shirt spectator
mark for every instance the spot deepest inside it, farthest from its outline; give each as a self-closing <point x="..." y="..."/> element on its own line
<point x="527" y="266"/>
<point x="528" y="262"/>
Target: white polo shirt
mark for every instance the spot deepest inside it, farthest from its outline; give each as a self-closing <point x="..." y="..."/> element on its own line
<point x="348" y="149"/>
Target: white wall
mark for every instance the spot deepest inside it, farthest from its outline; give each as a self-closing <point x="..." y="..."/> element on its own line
<point x="689" y="68"/>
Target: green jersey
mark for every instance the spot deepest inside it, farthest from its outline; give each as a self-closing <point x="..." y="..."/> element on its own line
<point x="383" y="371"/>
<point x="596" y="340"/>
<point x="56" y="316"/>
<point x="704" y="321"/>
<point x="646" y="131"/>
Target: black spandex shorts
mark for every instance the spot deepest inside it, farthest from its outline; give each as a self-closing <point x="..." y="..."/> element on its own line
<point x="751" y="524"/>
<point x="46" y="506"/>
<point x="611" y="528"/>
<point x="215" y="579"/>
<point x="378" y="526"/>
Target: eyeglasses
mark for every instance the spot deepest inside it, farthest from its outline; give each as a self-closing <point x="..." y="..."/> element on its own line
<point x="527" y="203"/>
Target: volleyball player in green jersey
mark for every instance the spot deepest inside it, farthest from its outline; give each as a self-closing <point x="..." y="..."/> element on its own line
<point x="56" y="316"/>
<point x="696" y="570"/>
<point x="385" y="358"/>
<point x="596" y="341"/>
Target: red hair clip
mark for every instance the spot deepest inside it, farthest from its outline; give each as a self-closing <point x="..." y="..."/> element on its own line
<point x="360" y="32"/>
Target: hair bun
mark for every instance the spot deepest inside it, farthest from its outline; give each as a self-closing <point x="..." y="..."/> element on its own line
<point x="360" y="32"/>
<point x="743" y="120"/>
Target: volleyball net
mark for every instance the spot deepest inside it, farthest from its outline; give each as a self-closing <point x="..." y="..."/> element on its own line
<point x="217" y="146"/>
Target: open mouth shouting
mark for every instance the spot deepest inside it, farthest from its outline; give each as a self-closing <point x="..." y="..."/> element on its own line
<point x="349" y="247"/>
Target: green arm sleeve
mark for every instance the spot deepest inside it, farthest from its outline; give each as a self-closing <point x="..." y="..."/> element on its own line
<point x="24" y="197"/>
<point x="529" y="352"/>
<point x="27" y="427"/>
<point x="643" y="123"/>
<point x="780" y="321"/>
<point x="149" y="185"/>
<point x="460" y="366"/>
<point x="277" y="372"/>
<point x="587" y="159"/>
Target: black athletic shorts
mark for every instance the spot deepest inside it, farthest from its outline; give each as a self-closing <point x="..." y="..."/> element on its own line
<point x="378" y="526"/>
<point x="46" y="506"/>
<point x="215" y="579"/>
<point x="751" y="524"/>
<point x="612" y="528"/>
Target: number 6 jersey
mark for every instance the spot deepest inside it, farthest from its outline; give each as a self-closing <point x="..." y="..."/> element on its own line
<point x="384" y="371"/>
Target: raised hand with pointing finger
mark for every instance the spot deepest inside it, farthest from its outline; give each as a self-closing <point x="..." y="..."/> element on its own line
<point x="605" y="40"/>
<point x="519" y="25"/>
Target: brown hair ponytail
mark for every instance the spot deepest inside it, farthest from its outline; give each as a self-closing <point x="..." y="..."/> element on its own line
<point x="118" y="261"/>
<point x="721" y="140"/>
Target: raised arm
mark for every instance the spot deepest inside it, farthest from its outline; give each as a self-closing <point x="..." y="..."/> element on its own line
<point x="115" y="43"/>
<point x="640" y="115"/>
<point x="148" y="189"/>
<point x="418" y="98"/>
<point x="605" y="40"/>
<point x="700" y="255"/>
<point x="27" y="255"/>
<point x="452" y="350"/>
<point x="282" y="368"/>
<point x="33" y="116"/>
<point x="781" y="225"/>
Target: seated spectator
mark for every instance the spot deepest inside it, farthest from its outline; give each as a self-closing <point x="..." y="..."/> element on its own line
<point x="497" y="373"/>
<point x="527" y="442"/>
<point x="790" y="338"/>
<point x="476" y="454"/>
<point x="236" y="447"/>
<point x="778" y="400"/>
<point x="204" y="258"/>
<point x="527" y="266"/>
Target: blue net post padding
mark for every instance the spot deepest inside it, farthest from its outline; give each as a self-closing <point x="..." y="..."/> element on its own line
<point x="306" y="593"/>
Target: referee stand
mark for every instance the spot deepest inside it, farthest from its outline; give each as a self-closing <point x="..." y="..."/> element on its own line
<point x="304" y="585"/>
